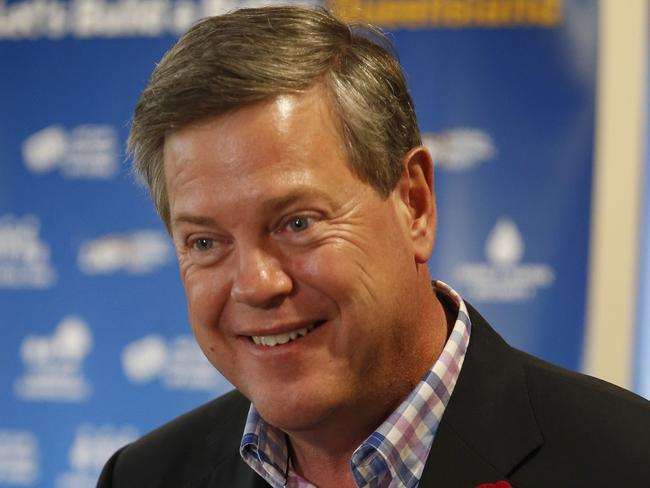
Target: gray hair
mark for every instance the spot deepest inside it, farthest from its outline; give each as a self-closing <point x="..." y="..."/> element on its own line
<point x="250" y="55"/>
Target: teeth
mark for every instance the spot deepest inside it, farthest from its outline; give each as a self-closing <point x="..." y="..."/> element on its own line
<point x="274" y="340"/>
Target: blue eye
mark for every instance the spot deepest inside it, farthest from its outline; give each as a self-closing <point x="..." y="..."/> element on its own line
<point x="203" y="244"/>
<point x="298" y="224"/>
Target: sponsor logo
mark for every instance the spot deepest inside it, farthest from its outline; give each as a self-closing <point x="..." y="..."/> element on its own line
<point x="19" y="458"/>
<point x="178" y="364"/>
<point x="91" y="448"/>
<point x="24" y="257"/>
<point x="136" y="253"/>
<point x="85" y="19"/>
<point x="53" y="364"/>
<point x="460" y="149"/>
<point x="86" y="151"/>
<point x="504" y="278"/>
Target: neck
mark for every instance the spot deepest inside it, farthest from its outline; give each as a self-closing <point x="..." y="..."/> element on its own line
<point x="327" y="448"/>
<point x="323" y="467"/>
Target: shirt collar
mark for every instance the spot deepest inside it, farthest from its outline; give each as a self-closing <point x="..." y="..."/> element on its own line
<point x="395" y="453"/>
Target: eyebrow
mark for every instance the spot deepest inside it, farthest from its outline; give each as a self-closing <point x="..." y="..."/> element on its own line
<point x="274" y="204"/>
<point x="280" y="202"/>
<point x="194" y="219"/>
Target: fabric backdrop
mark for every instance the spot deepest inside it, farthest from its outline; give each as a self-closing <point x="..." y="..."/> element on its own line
<point x="94" y="343"/>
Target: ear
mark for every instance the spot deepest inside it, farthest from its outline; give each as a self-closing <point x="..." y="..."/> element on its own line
<point x="415" y="190"/>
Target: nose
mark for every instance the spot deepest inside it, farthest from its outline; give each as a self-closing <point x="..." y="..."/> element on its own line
<point x="260" y="281"/>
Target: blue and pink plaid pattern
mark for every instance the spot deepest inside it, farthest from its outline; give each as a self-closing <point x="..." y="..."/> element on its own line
<point x="394" y="455"/>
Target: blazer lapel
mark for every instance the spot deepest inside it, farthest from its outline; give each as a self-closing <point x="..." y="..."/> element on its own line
<point x="488" y="427"/>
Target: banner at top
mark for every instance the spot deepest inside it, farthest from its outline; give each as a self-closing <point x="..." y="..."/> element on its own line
<point x="86" y="19"/>
<point x="420" y="14"/>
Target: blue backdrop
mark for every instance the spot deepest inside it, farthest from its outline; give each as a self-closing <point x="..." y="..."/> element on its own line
<point x="95" y="348"/>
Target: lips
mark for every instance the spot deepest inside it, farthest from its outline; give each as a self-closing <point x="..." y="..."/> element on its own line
<point x="272" y="340"/>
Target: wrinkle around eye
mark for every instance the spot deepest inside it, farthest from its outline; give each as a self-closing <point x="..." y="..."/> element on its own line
<point x="322" y="224"/>
<point x="338" y="236"/>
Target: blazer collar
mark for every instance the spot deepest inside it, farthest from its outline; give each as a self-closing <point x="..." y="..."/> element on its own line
<point x="488" y="427"/>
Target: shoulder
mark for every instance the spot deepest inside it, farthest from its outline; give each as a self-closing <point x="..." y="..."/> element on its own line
<point x="583" y="390"/>
<point x="559" y="428"/>
<point x="183" y="449"/>
<point x="578" y="411"/>
<point x="551" y="389"/>
<point x="593" y="432"/>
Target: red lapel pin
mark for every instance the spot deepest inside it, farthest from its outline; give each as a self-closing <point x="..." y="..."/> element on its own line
<point x="498" y="484"/>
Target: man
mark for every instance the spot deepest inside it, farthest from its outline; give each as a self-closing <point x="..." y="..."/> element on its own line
<point x="282" y="152"/>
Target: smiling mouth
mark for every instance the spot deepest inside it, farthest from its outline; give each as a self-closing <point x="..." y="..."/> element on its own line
<point x="279" y="339"/>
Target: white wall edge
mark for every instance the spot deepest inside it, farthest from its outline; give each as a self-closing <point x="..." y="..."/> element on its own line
<point x="617" y="191"/>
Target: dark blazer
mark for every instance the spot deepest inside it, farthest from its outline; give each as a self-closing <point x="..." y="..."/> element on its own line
<point x="511" y="417"/>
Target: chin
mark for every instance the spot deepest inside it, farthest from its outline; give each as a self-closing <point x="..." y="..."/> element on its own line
<point x="294" y="411"/>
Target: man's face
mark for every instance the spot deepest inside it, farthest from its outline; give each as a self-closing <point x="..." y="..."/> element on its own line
<point x="298" y="275"/>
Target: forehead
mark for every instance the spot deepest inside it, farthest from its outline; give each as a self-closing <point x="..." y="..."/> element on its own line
<point x="281" y="123"/>
<point x="267" y="147"/>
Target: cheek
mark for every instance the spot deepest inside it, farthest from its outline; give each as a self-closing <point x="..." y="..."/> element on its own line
<point x="206" y="301"/>
<point x="320" y="268"/>
<point x="206" y="296"/>
<point x="334" y="276"/>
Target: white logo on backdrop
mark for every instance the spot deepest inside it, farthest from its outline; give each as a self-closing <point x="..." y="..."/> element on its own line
<point x="178" y="363"/>
<point x="504" y="278"/>
<point x="33" y="19"/>
<point x="53" y="364"/>
<point x="19" y="458"/>
<point x="460" y="149"/>
<point x="138" y="253"/>
<point x="86" y="151"/>
<point x="91" y="448"/>
<point x="24" y="257"/>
